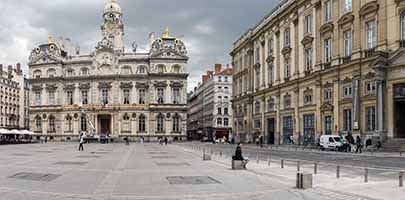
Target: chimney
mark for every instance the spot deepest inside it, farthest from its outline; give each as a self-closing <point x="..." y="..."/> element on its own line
<point x="19" y="71"/>
<point x="218" y="68"/>
<point x="204" y="79"/>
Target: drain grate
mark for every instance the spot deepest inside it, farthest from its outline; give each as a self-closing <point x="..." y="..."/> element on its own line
<point x="172" y="164"/>
<point x="35" y="176"/>
<point x="163" y="157"/>
<point x="88" y="156"/>
<point x="70" y="163"/>
<point x="191" y="180"/>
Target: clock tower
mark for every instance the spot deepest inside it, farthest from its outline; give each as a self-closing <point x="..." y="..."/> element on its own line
<point x="113" y="28"/>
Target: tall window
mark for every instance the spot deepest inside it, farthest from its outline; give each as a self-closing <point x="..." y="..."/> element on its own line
<point x="38" y="123"/>
<point x="308" y="59"/>
<point x="160" y="123"/>
<point x="370" y="87"/>
<point x="270" y="105"/>
<point x="176" y="95"/>
<point x="219" y="111"/>
<point x="141" y="96"/>
<point x="225" y="78"/>
<point x="328" y="50"/>
<point x="287" y="69"/>
<point x="308" y="24"/>
<point x="347" y="120"/>
<point x="226" y="122"/>
<point x="270" y="46"/>
<point x="38" y="98"/>
<point x="226" y="111"/>
<point x="347" y="36"/>
<point x="347" y="91"/>
<point x="328" y="125"/>
<point x="257" y="77"/>
<point x="370" y="119"/>
<point x="176" y="124"/>
<point x="347" y="5"/>
<point x="83" y="123"/>
<point x="142" y="123"/>
<point x="219" y="121"/>
<point x="257" y="107"/>
<point x="160" y="96"/>
<point x="270" y="73"/>
<point x="69" y="97"/>
<point x="327" y="94"/>
<point x="328" y="10"/>
<point x="85" y="97"/>
<point x="51" y="123"/>
<point x="403" y="26"/>
<point x="287" y="37"/>
<point x="69" y="123"/>
<point x="126" y="96"/>
<point x="104" y="96"/>
<point x="257" y="55"/>
<point x="370" y="34"/>
<point x="51" y="97"/>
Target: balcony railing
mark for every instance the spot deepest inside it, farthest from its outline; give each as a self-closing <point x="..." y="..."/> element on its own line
<point x="327" y="65"/>
<point x="347" y="59"/>
<point x="369" y="52"/>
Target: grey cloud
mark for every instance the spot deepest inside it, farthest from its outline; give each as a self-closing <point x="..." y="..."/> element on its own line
<point x="209" y="27"/>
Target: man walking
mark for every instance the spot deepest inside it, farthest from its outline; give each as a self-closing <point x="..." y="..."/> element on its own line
<point x="358" y="144"/>
<point x="81" y="142"/>
<point x="166" y="141"/>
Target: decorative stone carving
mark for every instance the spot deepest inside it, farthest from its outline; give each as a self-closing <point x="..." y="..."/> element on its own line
<point x="37" y="87"/>
<point x="176" y="84"/>
<point x="168" y="47"/>
<point x="105" y="85"/>
<point x="328" y="27"/>
<point x="69" y="87"/>
<point x="126" y="85"/>
<point x="84" y="86"/>
<point x="51" y="87"/>
<point x="307" y="40"/>
<point x="346" y="18"/>
<point x="45" y="53"/>
<point x="326" y="107"/>
<point x="160" y="84"/>
<point x="370" y="7"/>
<point x="286" y="50"/>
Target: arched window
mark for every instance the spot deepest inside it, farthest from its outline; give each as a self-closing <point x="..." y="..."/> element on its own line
<point x="85" y="71"/>
<point x="83" y="123"/>
<point x="403" y="26"/>
<point x="52" y="124"/>
<point x="160" y="123"/>
<point x="51" y="72"/>
<point x="176" y="123"/>
<point x="219" y="121"/>
<point x="126" y="70"/>
<point x="37" y="73"/>
<point x="141" y="70"/>
<point x="270" y="104"/>
<point x="69" y="124"/>
<point x="125" y="123"/>
<point x="142" y="123"/>
<point x="161" y="68"/>
<point x="38" y="123"/>
<point x="226" y="122"/>
<point x="70" y="72"/>
<point x="176" y="69"/>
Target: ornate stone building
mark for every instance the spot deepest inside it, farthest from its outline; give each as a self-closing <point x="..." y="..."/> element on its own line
<point x="314" y="67"/>
<point x="110" y="91"/>
<point x="210" y="107"/>
<point x="13" y="93"/>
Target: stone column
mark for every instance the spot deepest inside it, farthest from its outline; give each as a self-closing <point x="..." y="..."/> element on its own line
<point x="380" y="106"/>
<point x="277" y="56"/>
<point x="356" y="102"/>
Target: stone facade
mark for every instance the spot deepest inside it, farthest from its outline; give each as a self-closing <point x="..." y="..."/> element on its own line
<point x="110" y="91"/>
<point x="13" y="91"/>
<point x="210" y="108"/>
<point x="314" y="67"/>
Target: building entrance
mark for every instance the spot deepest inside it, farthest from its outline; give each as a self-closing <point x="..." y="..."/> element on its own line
<point x="104" y="124"/>
<point x="399" y="114"/>
<point x="270" y="130"/>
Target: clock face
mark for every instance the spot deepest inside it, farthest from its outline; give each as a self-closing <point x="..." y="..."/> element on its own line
<point x="110" y="27"/>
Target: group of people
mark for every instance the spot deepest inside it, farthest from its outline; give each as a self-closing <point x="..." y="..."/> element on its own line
<point x="349" y="144"/>
<point x="82" y="140"/>
<point x="165" y="141"/>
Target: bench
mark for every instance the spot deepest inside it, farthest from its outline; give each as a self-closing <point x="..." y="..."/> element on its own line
<point x="239" y="164"/>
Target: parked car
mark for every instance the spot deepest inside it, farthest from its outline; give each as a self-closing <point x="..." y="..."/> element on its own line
<point x="331" y="142"/>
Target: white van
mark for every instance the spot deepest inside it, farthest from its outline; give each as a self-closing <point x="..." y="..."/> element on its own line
<point x="330" y="142"/>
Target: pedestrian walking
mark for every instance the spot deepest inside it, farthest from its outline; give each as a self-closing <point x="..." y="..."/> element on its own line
<point x="126" y="141"/>
<point x="166" y="141"/>
<point x="359" y="145"/>
<point x="142" y="140"/>
<point x="257" y="142"/>
<point x="291" y="139"/>
<point x="261" y="141"/>
<point x="81" y="142"/>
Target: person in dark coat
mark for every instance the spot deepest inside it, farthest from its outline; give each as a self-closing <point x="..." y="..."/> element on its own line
<point x="238" y="153"/>
<point x="166" y="140"/>
<point x="359" y="145"/>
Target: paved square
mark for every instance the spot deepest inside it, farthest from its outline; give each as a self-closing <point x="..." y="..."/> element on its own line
<point x="119" y="172"/>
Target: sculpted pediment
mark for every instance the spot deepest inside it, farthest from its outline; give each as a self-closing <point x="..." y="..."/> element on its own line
<point x="46" y="53"/>
<point x="328" y="27"/>
<point x="327" y="107"/>
<point x="370" y="7"/>
<point x="286" y="50"/>
<point x="307" y="40"/>
<point x="346" y="18"/>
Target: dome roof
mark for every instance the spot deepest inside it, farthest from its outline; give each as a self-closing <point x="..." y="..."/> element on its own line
<point x="112" y="6"/>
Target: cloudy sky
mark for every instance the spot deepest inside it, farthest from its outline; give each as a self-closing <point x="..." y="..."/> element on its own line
<point x="209" y="27"/>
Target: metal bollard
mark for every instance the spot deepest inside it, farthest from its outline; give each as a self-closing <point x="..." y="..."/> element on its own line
<point x="257" y="159"/>
<point x="282" y="163"/>
<point x="315" y="168"/>
<point x="268" y="161"/>
<point x="365" y="175"/>
<point x="298" y="165"/>
<point x="338" y="171"/>
<point x="400" y="179"/>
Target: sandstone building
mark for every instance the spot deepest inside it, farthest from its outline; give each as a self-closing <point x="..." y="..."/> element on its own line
<point x="313" y="67"/>
<point x="110" y="91"/>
